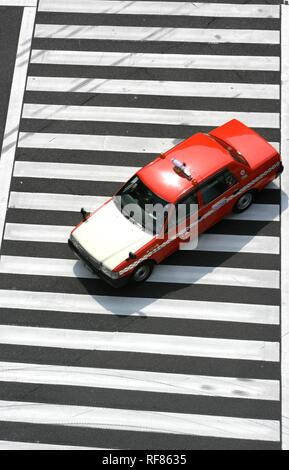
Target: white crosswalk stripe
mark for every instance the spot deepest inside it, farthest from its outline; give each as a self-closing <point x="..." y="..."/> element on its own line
<point x="141" y="381"/>
<point x="171" y="61"/>
<point x="144" y="343"/>
<point x="109" y="143"/>
<point x="124" y="33"/>
<point x="171" y="423"/>
<point x="142" y="115"/>
<point x="14" y="445"/>
<point x="145" y="307"/>
<point x="173" y="274"/>
<point x="113" y="173"/>
<point x="73" y="203"/>
<point x="158" y="88"/>
<point x="207" y="242"/>
<point x="265" y="212"/>
<point x="161" y="8"/>
<point x="72" y="172"/>
<point x="54" y="202"/>
<point x="241" y="243"/>
<point x="94" y="142"/>
<point x="193" y="352"/>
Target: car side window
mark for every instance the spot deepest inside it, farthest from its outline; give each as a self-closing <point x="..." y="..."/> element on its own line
<point x="217" y="186"/>
<point x="188" y="201"/>
<point x="183" y="211"/>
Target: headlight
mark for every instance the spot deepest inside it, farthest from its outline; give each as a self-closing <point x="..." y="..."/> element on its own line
<point x="109" y="273"/>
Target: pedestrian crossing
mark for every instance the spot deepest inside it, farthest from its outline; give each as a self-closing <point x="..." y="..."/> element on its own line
<point x="191" y="358"/>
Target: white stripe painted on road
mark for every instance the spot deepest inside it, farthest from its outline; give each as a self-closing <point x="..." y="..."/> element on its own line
<point x="285" y="226"/>
<point x="18" y="3"/>
<point x="140" y="381"/>
<point x="141" y="421"/>
<point x="109" y="143"/>
<point x="54" y="202"/>
<point x="14" y="110"/>
<point x="95" y="142"/>
<point x="170" y="61"/>
<point x="141" y="343"/>
<point x="73" y="171"/>
<point x="16" y="445"/>
<point x="37" y="233"/>
<point x="239" y="243"/>
<point x="153" y="87"/>
<point x="73" y="203"/>
<point x="148" y="115"/>
<point x="140" y="307"/>
<point x="216" y="276"/>
<point x="144" y="33"/>
<point x="207" y="241"/>
<point x="161" y="8"/>
<point x="259" y="212"/>
<point x="198" y="275"/>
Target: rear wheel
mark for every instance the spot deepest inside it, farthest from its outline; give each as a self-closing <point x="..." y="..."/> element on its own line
<point x="142" y="272"/>
<point x="244" y="202"/>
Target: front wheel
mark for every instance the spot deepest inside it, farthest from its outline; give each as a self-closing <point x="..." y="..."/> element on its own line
<point x="244" y="202"/>
<point x="142" y="272"/>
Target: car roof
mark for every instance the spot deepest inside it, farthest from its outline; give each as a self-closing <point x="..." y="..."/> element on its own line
<point x="200" y="153"/>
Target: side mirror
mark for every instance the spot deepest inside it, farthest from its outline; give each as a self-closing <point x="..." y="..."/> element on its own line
<point x="84" y="213"/>
<point x="131" y="256"/>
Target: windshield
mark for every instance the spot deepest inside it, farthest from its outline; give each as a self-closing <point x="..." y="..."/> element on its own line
<point x="141" y="206"/>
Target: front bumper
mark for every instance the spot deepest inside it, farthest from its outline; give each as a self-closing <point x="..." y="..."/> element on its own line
<point x="81" y="254"/>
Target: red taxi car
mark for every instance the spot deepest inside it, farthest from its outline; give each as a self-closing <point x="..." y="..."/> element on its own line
<point x="221" y="172"/>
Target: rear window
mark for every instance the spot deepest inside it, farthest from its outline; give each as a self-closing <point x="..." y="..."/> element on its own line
<point x="237" y="156"/>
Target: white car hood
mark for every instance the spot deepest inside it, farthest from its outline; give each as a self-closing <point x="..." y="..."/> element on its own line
<point x="109" y="237"/>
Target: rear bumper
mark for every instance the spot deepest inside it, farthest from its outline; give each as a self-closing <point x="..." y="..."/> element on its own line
<point x="280" y="169"/>
<point x="122" y="281"/>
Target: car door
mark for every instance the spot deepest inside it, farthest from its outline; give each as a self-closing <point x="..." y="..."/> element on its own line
<point x="187" y="214"/>
<point x="179" y="219"/>
<point x="214" y="198"/>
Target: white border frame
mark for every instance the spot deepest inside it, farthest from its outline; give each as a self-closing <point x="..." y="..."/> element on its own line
<point x="11" y="138"/>
<point x="285" y="222"/>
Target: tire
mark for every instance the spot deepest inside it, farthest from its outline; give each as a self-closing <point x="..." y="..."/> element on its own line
<point x="142" y="272"/>
<point x="244" y="202"/>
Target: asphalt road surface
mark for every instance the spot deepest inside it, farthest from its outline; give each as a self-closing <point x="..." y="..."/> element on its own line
<point x="10" y="21"/>
<point x="190" y="359"/>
